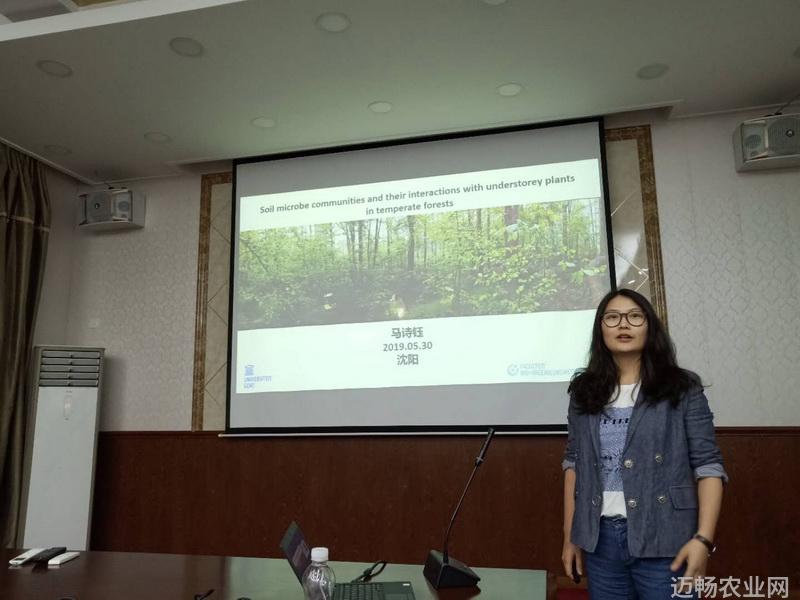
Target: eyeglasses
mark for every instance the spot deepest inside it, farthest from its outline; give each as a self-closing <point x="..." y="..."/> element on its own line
<point x="635" y="318"/>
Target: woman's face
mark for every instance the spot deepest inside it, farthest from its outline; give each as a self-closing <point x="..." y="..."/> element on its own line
<point x="619" y="335"/>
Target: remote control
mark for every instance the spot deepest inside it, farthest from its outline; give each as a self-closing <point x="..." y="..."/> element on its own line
<point x="46" y="555"/>
<point x="62" y="558"/>
<point x="25" y="557"/>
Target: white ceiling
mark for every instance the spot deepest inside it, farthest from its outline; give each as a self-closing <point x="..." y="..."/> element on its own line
<point x="438" y="62"/>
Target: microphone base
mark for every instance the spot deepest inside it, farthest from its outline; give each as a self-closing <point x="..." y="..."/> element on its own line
<point x="451" y="574"/>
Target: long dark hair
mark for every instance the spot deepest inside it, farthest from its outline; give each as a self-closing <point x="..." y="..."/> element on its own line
<point x="661" y="377"/>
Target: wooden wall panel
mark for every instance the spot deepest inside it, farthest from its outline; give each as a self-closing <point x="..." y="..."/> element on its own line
<point x="371" y="498"/>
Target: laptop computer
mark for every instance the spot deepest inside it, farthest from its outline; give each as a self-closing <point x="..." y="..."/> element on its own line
<point x="298" y="553"/>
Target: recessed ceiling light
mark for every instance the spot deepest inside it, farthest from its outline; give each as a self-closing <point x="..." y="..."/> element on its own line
<point x="333" y="22"/>
<point x="380" y="107"/>
<point x="157" y="137"/>
<point x="509" y="89"/>
<point x="54" y="68"/>
<point x="653" y="71"/>
<point x="186" y="47"/>
<point x="57" y="150"/>
<point x="263" y="122"/>
<point x="494" y="2"/>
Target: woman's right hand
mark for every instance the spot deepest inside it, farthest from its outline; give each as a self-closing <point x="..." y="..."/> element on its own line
<point x="572" y="554"/>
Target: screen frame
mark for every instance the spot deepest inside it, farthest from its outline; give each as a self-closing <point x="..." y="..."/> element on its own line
<point x="402" y="429"/>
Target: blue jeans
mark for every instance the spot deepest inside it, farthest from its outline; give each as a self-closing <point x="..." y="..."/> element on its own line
<point x="614" y="575"/>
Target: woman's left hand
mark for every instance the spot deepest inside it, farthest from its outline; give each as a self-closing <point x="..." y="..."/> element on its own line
<point x="695" y="555"/>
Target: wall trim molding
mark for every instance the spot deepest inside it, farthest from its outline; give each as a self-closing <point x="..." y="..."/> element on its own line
<point x="199" y="373"/>
<point x="764" y="430"/>
<point x="652" y="230"/>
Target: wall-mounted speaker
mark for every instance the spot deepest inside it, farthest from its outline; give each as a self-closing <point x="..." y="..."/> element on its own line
<point x="771" y="142"/>
<point x="118" y="208"/>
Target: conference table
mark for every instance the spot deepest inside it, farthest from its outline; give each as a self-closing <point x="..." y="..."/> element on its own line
<point x="140" y="576"/>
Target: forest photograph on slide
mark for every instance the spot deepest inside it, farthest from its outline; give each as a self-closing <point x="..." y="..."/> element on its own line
<point x="487" y="261"/>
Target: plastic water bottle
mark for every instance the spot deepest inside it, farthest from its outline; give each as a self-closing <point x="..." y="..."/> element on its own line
<point x="319" y="579"/>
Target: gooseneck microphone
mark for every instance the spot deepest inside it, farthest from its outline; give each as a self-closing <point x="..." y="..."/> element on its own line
<point x="440" y="570"/>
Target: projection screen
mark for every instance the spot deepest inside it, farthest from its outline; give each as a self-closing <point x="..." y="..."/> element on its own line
<point x="439" y="284"/>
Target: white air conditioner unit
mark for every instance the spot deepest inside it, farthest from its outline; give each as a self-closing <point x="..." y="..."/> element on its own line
<point x="60" y="448"/>
<point x="771" y="142"/>
<point x="118" y="208"/>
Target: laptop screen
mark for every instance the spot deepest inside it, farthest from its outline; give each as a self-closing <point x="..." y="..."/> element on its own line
<point x="296" y="549"/>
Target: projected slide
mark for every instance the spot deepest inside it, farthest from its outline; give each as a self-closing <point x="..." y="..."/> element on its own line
<point x="479" y="277"/>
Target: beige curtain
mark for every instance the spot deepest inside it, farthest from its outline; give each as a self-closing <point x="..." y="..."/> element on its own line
<point x="24" y="229"/>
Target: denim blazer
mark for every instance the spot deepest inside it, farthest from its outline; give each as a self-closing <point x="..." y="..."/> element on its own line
<point x="666" y="450"/>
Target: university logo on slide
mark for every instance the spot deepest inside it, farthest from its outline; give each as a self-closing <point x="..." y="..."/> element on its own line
<point x="253" y="381"/>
